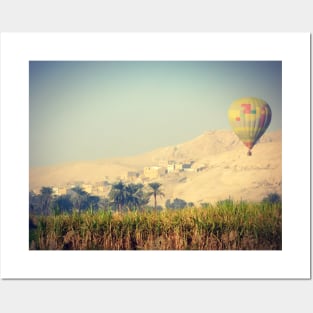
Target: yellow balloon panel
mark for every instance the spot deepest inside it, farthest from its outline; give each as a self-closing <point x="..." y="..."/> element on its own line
<point x="249" y="118"/>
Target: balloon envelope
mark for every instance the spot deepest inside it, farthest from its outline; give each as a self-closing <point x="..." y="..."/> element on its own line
<point x="249" y="118"/>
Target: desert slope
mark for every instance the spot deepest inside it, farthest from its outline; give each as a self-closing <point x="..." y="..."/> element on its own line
<point x="234" y="174"/>
<point x="226" y="168"/>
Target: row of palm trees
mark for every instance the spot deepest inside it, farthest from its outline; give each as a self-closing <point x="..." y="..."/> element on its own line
<point x="45" y="203"/>
<point x="121" y="196"/>
<point x="134" y="195"/>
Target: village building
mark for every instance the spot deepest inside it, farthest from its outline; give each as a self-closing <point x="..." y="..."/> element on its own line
<point x="178" y="167"/>
<point x="174" y="166"/>
<point x="62" y="191"/>
<point x="171" y="166"/>
<point x="59" y="190"/>
<point x="87" y="187"/>
<point x="98" y="189"/>
<point x="152" y="172"/>
<point x="187" y="165"/>
<point x="132" y="176"/>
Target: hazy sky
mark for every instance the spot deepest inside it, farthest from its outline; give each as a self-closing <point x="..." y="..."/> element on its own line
<point x="99" y="109"/>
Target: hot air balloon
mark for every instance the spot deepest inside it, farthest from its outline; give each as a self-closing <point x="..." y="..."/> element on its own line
<point x="249" y="117"/>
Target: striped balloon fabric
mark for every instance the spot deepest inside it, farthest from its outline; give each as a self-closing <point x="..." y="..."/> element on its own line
<point x="249" y="117"/>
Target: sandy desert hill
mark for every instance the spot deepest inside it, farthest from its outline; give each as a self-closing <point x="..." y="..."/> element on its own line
<point x="226" y="170"/>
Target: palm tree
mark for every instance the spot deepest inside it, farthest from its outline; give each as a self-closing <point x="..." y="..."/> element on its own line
<point x="155" y="192"/>
<point x="135" y="196"/>
<point x="45" y="199"/>
<point x="64" y="203"/>
<point x="118" y="194"/>
<point x="79" y="198"/>
<point x="93" y="202"/>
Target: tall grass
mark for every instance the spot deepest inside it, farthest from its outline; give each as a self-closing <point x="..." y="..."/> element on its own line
<point x="226" y="225"/>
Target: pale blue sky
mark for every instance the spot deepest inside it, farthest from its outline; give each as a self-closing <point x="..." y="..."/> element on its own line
<point x="100" y="109"/>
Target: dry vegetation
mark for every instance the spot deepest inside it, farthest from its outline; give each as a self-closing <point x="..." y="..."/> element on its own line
<point x="226" y="225"/>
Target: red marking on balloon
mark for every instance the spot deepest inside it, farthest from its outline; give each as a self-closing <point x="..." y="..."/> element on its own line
<point x="247" y="108"/>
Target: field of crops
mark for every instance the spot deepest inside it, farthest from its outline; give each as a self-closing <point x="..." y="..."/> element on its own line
<point x="227" y="225"/>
